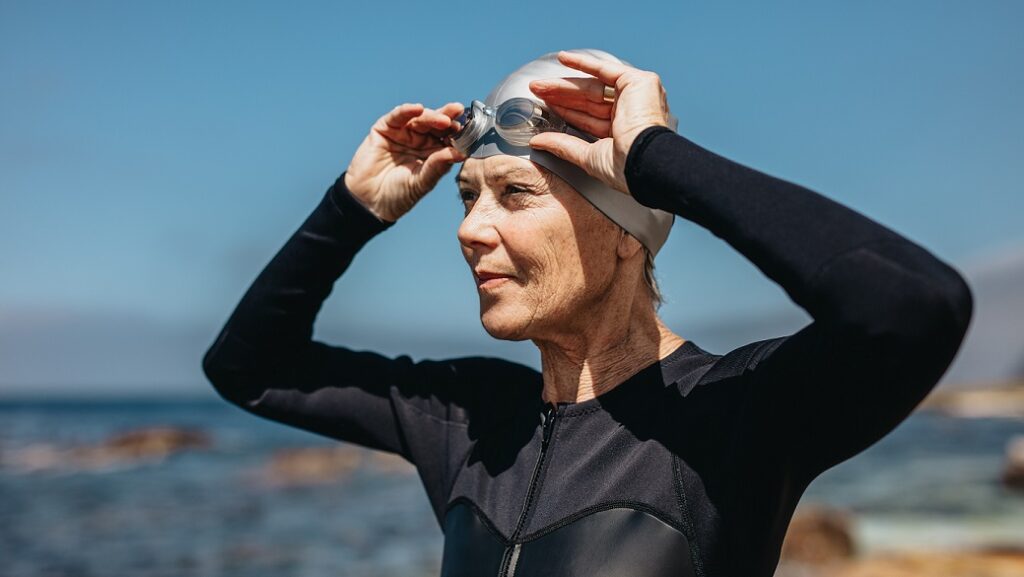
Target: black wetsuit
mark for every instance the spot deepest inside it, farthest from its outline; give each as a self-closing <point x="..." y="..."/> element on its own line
<point x="691" y="467"/>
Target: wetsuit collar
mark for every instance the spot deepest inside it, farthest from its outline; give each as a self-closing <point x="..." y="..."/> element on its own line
<point x="683" y="367"/>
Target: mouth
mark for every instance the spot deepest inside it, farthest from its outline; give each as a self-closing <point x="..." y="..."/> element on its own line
<point x="486" y="279"/>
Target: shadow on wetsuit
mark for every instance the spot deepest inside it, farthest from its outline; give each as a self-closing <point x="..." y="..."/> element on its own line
<point x="692" y="466"/>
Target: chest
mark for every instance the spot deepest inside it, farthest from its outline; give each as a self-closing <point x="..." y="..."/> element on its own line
<point x="580" y="496"/>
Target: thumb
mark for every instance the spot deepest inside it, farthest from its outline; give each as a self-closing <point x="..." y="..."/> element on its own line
<point x="564" y="146"/>
<point x="436" y="165"/>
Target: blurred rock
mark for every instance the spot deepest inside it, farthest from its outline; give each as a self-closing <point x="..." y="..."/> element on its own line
<point x="311" y="465"/>
<point x="120" y="449"/>
<point x="819" y="535"/>
<point x="151" y="443"/>
<point x="991" y="562"/>
<point x="1013" y="470"/>
<point x="1004" y="400"/>
<point x="155" y="441"/>
<point x="34" y="457"/>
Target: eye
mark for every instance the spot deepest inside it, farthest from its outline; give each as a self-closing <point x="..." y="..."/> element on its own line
<point x="467" y="195"/>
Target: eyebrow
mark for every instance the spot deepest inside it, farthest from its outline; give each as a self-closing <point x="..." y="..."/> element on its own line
<point x="499" y="176"/>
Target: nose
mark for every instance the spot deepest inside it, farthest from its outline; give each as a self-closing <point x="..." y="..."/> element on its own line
<point x="478" y="230"/>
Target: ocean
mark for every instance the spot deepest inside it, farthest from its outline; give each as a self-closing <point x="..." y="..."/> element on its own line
<point x="933" y="482"/>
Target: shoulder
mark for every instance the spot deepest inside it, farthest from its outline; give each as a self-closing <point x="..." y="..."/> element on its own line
<point x="738" y="361"/>
<point x="488" y="387"/>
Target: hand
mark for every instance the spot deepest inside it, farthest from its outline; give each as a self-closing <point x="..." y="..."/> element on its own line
<point x="640" y="103"/>
<point x="402" y="158"/>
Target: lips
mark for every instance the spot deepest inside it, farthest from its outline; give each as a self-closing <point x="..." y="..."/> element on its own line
<point x="483" y="276"/>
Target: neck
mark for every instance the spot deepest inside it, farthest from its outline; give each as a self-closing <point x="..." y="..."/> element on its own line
<point x="594" y="359"/>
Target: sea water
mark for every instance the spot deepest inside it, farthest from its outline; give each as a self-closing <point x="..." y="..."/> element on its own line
<point x="933" y="482"/>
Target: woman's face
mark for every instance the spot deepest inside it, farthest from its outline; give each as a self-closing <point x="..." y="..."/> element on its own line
<point x="559" y="251"/>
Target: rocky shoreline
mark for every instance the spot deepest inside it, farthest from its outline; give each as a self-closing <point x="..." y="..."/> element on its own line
<point x="289" y="466"/>
<point x="821" y="542"/>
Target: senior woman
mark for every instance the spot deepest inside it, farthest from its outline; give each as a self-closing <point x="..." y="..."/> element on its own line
<point x="633" y="451"/>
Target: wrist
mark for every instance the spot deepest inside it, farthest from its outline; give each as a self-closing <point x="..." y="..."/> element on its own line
<point x="362" y="202"/>
<point x="347" y="201"/>
<point x="633" y="165"/>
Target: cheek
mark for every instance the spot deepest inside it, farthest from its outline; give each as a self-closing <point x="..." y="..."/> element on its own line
<point x="543" y="245"/>
<point x="587" y="263"/>
<point x="597" y="253"/>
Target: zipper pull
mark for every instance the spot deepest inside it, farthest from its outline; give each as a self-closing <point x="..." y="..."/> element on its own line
<point x="549" y="422"/>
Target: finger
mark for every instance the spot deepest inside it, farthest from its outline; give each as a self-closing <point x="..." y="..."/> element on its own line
<point x="599" y="127"/>
<point x="437" y="164"/>
<point x="583" y="94"/>
<point x="400" y="114"/>
<point x="452" y="109"/>
<point x="430" y="121"/>
<point x="606" y="72"/>
<point x="564" y="146"/>
<point x="582" y="89"/>
<point x="603" y="110"/>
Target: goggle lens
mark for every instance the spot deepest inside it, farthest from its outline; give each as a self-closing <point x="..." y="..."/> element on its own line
<point x="516" y="120"/>
<point x="519" y="119"/>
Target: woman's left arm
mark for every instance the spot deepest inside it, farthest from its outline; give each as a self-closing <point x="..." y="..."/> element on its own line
<point x="889" y="316"/>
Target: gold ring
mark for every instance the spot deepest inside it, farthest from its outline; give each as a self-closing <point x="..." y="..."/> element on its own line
<point x="609" y="94"/>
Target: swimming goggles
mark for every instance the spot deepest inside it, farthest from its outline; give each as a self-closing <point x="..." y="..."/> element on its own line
<point x="516" y="120"/>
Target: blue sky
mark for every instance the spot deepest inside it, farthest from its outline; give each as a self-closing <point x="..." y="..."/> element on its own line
<point x="154" y="156"/>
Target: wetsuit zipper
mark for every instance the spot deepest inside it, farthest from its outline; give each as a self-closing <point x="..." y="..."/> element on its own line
<point x="508" y="565"/>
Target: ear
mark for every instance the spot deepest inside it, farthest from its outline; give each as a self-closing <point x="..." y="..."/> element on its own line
<point x="628" y="245"/>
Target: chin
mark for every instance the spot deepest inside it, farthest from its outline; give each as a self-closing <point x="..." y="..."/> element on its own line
<point x="501" y="322"/>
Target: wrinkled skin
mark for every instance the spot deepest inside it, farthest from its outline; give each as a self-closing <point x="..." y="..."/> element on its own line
<point x="576" y="288"/>
<point x="565" y="256"/>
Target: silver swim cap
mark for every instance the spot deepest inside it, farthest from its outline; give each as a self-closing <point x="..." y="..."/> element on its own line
<point x="649" y="225"/>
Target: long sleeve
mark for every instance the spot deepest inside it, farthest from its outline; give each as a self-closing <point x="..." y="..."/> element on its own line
<point x="265" y="360"/>
<point x="888" y="316"/>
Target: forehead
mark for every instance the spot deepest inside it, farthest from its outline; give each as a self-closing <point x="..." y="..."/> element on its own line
<point x="497" y="168"/>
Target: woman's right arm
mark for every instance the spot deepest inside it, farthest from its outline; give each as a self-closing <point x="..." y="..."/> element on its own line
<point x="265" y="360"/>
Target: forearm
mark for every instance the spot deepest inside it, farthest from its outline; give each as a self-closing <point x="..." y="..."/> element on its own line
<point x="275" y="317"/>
